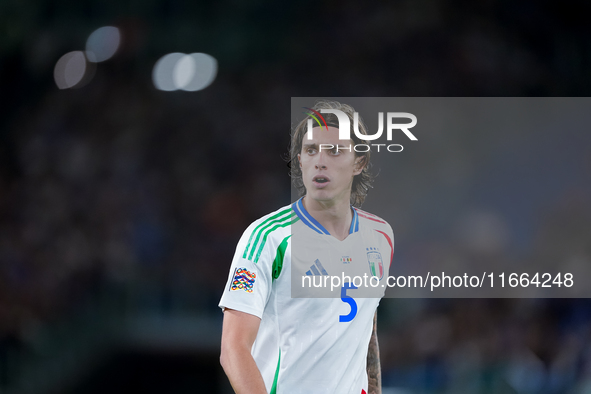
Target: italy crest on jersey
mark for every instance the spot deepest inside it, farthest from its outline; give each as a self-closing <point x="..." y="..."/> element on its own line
<point x="376" y="265"/>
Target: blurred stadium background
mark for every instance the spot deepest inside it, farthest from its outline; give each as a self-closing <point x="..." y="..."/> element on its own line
<point x="121" y="199"/>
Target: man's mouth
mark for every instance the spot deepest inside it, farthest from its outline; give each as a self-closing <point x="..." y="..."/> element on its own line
<point x="320" y="180"/>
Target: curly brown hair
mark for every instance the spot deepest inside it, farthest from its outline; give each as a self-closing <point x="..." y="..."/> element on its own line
<point x="361" y="182"/>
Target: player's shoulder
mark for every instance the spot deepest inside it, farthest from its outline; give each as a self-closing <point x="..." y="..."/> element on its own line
<point x="266" y="234"/>
<point x="372" y="221"/>
<point x="279" y="216"/>
<point x="274" y="224"/>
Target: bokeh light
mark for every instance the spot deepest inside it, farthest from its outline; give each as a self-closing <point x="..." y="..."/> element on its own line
<point x="103" y="43"/>
<point x="206" y="68"/>
<point x="183" y="72"/>
<point x="70" y="69"/>
<point x="162" y="75"/>
<point x="186" y="72"/>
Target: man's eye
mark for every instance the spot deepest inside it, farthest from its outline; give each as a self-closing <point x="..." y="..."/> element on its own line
<point x="311" y="150"/>
<point x="335" y="152"/>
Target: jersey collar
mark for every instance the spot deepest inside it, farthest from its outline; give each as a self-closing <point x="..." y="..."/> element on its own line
<point x="308" y="220"/>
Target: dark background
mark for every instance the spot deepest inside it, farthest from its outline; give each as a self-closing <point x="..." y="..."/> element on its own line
<point x="120" y="205"/>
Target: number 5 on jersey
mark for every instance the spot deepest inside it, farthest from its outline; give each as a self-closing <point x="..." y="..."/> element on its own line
<point x="349" y="300"/>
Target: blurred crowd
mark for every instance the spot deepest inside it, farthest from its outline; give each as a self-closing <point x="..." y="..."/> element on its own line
<point x="490" y="346"/>
<point x="115" y="183"/>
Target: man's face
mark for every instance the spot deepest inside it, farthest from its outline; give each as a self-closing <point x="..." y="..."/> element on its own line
<point x="327" y="172"/>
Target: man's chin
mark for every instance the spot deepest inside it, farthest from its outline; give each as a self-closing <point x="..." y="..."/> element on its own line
<point x="321" y="196"/>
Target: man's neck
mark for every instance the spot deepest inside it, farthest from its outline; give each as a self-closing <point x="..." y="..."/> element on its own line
<point x="335" y="217"/>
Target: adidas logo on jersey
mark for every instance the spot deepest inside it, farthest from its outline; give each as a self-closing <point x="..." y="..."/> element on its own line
<point x="316" y="269"/>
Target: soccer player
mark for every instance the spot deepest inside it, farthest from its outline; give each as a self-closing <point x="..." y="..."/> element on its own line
<point x="273" y="343"/>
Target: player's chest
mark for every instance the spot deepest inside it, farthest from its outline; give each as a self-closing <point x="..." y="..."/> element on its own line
<point x="358" y="255"/>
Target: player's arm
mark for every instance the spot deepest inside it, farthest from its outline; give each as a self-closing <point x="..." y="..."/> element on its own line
<point x="374" y="371"/>
<point x="238" y="335"/>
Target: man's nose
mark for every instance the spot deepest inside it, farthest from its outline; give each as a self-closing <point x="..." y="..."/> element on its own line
<point x="320" y="161"/>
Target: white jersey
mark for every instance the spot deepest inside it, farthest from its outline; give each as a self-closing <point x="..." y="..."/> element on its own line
<point x="309" y="345"/>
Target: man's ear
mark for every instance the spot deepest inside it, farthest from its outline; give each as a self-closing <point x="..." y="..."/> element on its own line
<point x="359" y="164"/>
<point x="300" y="159"/>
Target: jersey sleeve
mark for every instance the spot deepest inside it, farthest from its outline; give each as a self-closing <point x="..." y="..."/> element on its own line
<point x="250" y="279"/>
